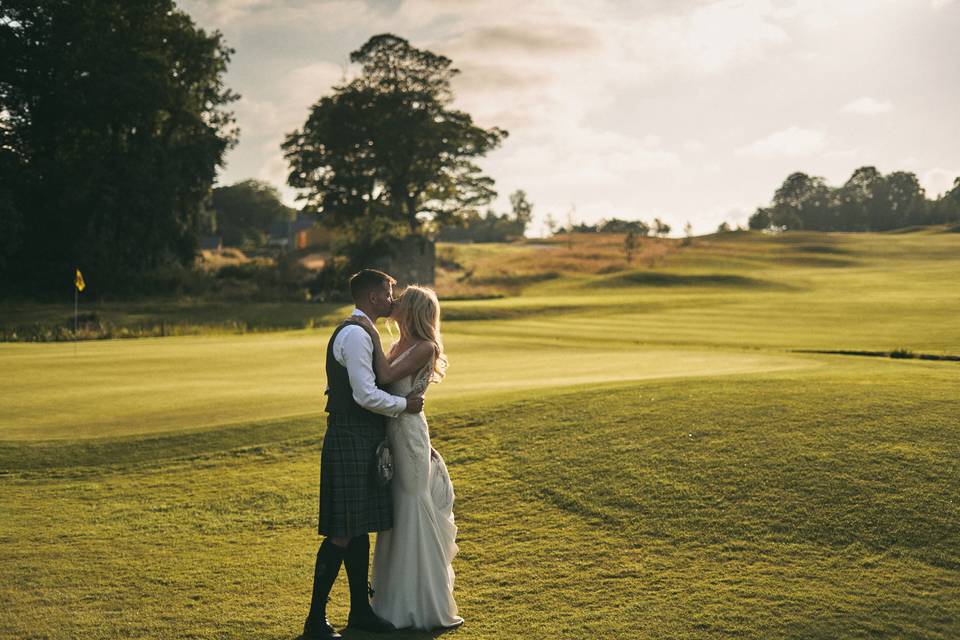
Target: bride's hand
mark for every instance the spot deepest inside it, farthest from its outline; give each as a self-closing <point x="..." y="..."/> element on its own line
<point x="368" y="326"/>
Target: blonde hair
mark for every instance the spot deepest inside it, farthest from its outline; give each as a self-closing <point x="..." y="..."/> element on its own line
<point x="419" y="318"/>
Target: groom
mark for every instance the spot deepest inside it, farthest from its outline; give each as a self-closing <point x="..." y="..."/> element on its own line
<point x="352" y="502"/>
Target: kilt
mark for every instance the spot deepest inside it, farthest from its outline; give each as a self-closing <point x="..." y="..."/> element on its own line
<point x="352" y="502"/>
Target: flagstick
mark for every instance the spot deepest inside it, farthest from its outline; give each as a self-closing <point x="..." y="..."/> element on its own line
<point x="76" y="316"/>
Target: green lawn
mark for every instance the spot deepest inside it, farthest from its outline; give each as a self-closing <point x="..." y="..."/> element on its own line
<point x="637" y="454"/>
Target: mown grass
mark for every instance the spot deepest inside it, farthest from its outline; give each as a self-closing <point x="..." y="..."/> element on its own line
<point x="646" y="460"/>
<point x="647" y="510"/>
<point x="122" y="388"/>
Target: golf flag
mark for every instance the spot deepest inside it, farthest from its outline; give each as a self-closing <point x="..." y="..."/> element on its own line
<point x="81" y="285"/>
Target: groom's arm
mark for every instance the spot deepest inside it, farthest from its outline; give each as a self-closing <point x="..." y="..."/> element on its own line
<point x="356" y="354"/>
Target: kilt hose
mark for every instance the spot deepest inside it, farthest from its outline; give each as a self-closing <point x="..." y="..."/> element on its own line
<point x="352" y="502"/>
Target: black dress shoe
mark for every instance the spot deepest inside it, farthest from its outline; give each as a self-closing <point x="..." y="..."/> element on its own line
<point x="369" y="621"/>
<point x="320" y="631"/>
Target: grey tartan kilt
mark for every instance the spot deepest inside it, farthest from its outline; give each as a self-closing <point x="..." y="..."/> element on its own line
<point x="352" y="502"/>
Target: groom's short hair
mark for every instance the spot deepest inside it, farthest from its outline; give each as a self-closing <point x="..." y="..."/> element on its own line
<point x="366" y="280"/>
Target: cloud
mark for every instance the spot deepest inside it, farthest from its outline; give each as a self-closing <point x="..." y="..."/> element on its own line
<point x="624" y="108"/>
<point x="867" y="106"/>
<point x="937" y="180"/>
<point x="546" y="39"/>
<point x="325" y="16"/>
<point x="711" y="37"/>
<point x="845" y="154"/>
<point x="288" y="101"/>
<point x="790" y="143"/>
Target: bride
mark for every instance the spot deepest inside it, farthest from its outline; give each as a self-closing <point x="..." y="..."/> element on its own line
<point x="412" y="574"/>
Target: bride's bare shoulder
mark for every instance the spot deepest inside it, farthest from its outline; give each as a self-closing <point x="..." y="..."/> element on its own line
<point x="422" y="350"/>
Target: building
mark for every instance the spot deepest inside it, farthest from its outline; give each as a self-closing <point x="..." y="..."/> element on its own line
<point x="298" y="234"/>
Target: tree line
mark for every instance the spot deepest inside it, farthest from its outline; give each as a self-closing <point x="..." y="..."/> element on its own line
<point x="638" y="228"/>
<point x="867" y="201"/>
<point x="114" y="119"/>
<point x="491" y="227"/>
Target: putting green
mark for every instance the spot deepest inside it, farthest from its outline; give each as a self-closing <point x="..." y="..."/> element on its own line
<point x="128" y="387"/>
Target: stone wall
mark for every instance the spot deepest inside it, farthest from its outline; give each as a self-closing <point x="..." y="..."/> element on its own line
<point x="412" y="260"/>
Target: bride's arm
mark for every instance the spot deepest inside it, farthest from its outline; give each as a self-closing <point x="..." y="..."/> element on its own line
<point x="386" y="370"/>
<point x="419" y="356"/>
<point x="381" y="364"/>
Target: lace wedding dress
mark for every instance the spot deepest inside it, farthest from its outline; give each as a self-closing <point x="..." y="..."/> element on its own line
<point x="412" y="573"/>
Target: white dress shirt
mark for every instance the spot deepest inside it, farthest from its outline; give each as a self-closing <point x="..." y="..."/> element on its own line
<point x="353" y="348"/>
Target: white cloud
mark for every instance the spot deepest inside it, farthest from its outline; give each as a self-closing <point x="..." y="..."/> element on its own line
<point x="842" y="153"/>
<point x="326" y="16"/>
<point x="791" y="142"/>
<point x="937" y="180"/>
<point x="625" y="108"/>
<point x="867" y="106"/>
<point x="712" y="37"/>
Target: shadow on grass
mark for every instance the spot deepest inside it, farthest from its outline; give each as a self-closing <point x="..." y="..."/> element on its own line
<point x="55" y="455"/>
<point x="821" y="248"/>
<point x="509" y="313"/>
<point x="816" y="261"/>
<point x="661" y="279"/>
<point x="402" y="634"/>
<point x="516" y="280"/>
<point x="896" y="354"/>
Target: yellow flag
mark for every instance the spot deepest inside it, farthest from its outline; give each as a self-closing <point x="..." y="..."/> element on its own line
<point x="81" y="285"/>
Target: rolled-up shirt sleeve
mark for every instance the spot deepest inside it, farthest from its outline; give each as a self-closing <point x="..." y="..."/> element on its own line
<point x="356" y="354"/>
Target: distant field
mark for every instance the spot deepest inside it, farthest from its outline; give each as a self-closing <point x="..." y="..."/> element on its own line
<point x="638" y="453"/>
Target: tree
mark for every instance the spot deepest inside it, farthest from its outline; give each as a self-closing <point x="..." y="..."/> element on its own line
<point x="629" y="245"/>
<point x="245" y="211"/>
<point x="570" y="225"/>
<point x="860" y="200"/>
<point x="551" y="224"/>
<point x="616" y="225"/>
<point x="906" y="202"/>
<point x="389" y="145"/>
<point x="802" y="202"/>
<point x="724" y="227"/>
<point x="687" y="234"/>
<point x="522" y="209"/>
<point x="10" y="227"/>
<point x="760" y="219"/>
<point x="660" y="228"/>
<point x="114" y="121"/>
<point x="947" y="207"/>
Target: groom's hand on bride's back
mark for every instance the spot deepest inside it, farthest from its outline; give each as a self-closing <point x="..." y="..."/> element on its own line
<point x="414" y="403"/>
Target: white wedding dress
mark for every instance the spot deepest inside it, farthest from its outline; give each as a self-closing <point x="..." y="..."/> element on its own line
<point x="412" y="574"/>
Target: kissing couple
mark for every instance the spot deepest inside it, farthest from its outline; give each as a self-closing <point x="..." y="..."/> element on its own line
<point x="373" y="397"/>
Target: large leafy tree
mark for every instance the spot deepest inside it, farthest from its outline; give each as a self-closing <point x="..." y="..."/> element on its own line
<point x="802" y="202"/>
<point x="906" y="201"/>
<point x="113" y="120"/>
<point x="244" y="211"/>
<point x="389" y="145"/>
<point x="861" y="200"/>
<point x="522" y="209"/>
<point x="947" y="207"/>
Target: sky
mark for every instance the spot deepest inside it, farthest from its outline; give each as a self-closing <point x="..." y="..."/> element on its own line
<point x="687" y="110"/>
